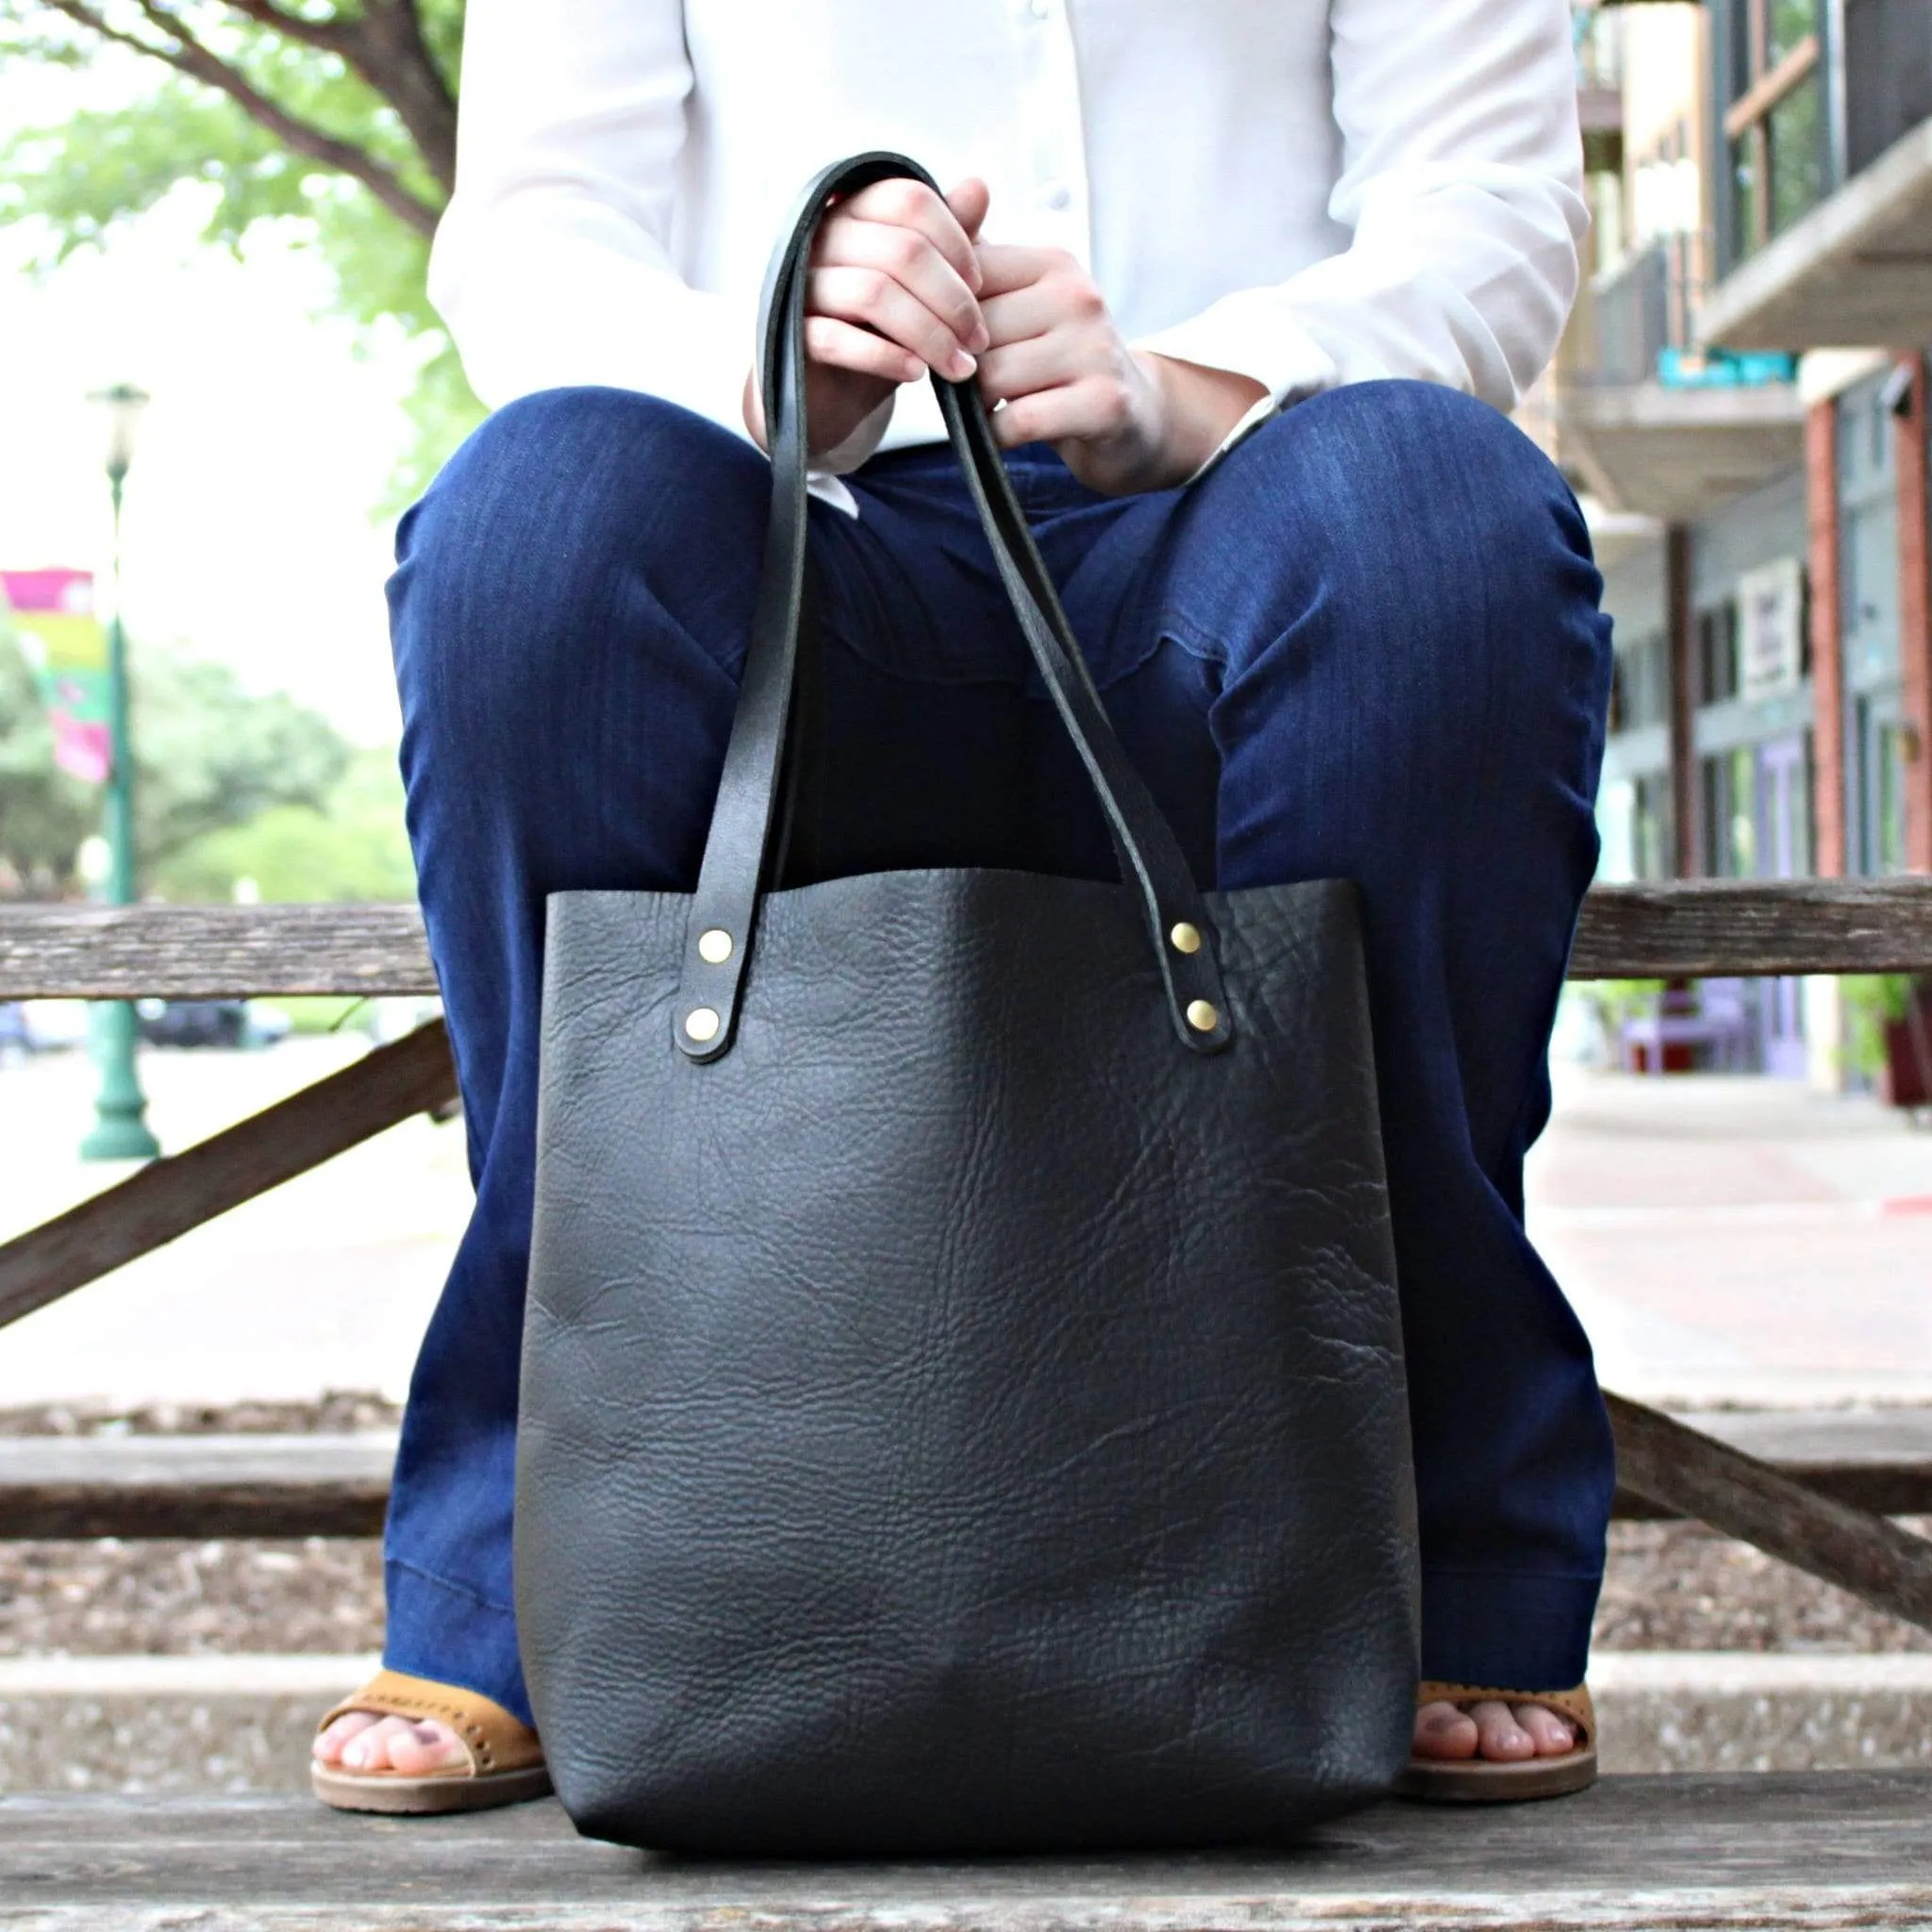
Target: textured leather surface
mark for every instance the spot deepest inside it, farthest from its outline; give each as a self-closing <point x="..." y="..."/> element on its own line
<point x="957" y="1418"/>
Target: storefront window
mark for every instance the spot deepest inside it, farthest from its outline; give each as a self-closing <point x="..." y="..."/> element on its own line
<point x="1716" y="653"/>
<point x="1641" y="687"/>
<point x="1650" y="827"/>
<point x="1727" y="784"/>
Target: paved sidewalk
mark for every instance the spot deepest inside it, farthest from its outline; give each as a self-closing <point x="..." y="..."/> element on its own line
<point x="1729" y="1239"/>
<point x="1723" y="1240"/>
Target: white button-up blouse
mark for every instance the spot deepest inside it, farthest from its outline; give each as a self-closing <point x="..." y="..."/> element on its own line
<point x="1308" y="193"/>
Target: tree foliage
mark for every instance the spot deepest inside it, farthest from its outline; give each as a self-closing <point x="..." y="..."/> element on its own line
<point x="336" y="115"/>
<point x="208" y="755"/>
<point x="353" y="847"/>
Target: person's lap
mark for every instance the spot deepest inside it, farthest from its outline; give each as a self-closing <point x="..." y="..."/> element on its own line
<point x="1365" y="645"/>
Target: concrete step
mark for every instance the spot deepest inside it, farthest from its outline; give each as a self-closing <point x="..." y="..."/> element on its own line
<point x="235" y="1725"/>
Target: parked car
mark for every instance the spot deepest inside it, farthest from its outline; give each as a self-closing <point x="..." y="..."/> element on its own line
<point x="210" y="1023"/>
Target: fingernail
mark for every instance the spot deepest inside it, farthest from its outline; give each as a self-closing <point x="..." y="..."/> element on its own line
<point x="980" y="339"/>
<point x="962" y="365"/>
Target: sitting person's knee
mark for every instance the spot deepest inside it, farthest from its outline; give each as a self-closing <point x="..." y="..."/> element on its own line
<point x="515" y="550"/>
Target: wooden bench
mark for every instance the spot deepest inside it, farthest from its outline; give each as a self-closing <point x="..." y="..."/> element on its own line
<point x="1837" y="1850"/>
<point x="69" y="1488"/>
<point x="1821" y="1518"/>
<point x="1840" y="1850"/>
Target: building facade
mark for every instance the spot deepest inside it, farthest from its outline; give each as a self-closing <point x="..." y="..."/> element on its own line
<point x="1741" y="399"/>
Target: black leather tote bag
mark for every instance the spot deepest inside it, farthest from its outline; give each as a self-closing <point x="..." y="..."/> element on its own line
<point x="962" y="1389"/>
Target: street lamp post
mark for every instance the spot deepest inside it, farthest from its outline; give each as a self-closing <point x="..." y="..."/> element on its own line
<point x="120" y="1130"/>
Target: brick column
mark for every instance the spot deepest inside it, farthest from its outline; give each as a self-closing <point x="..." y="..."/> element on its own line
<point x="1681" y="637"/>
<point x="1914" y="615"/>
<point x="1827" y="639"/>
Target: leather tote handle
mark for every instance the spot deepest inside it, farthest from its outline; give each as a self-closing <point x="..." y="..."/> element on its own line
<point x="739" y="856"/>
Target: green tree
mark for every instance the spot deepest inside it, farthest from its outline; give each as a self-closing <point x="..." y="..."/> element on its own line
<point x="208" y="755"/>
<point x="351" y="847"/>
<point x="43" y="813"/>
<point x="339" y="115"/>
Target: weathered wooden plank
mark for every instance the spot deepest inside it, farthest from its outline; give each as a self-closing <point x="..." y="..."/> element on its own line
<point x="1694" y="1474"/>
<point x="1874" y="1459"/>
<point x="168" y="1197"/>
<point x="1690" y="929"/>
<point x="1678" y="929"/>
<point x="1817" y="1853"/>
<point x="210" y="952"/>
<point x="194" y="1486"/>
<point x="337" y="1485"/>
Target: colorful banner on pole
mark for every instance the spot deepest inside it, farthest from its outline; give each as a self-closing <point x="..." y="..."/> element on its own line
<point x="52" y="616"/>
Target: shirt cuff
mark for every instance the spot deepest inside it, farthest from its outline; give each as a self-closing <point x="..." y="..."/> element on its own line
<point x="1270" y="348"/>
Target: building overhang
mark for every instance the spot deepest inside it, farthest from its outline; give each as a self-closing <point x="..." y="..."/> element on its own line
<point x="1679" y="453"/>
<point x="1855" y="272"/>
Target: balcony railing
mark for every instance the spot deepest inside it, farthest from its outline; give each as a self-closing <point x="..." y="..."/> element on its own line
<point x="1642" y="309"/>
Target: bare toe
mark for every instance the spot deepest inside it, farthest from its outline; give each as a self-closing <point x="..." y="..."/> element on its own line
<point x="370" y="1751"/>
<point x="1442" y="1731"/>
<point x="330" y="1742"/>
<point x="1550" y="1733"/>
<point x="420" y="1748"/>
<point x="1500" y="1738"/>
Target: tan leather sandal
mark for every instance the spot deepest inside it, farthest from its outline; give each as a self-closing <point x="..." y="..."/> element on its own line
<point x="506" y="1764"/>
<point x="1484" y="1781"/>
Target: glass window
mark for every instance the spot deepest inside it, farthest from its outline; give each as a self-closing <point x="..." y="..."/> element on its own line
<point x="1650" y="827"/>
<point x="1742" y="840"/>
<point x="1793" y="136"/>
<point x="1888" y="842"/>
<point x="1787" y="23"/>
<point x="1716" y="653"/>
<point x="1747" y="220"/>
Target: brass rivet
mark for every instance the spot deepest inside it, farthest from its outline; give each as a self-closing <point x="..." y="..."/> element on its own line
<point x="1202" y="1017"/>
<point x="1186" y="938"/>
<point x="703" y="1024"/>
<point x="714" y="947"/>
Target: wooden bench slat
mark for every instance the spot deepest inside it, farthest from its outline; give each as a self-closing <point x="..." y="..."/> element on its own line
<point x="144" y="1486"/>
<point x="1778" y="1853"/>
<point x="79" y="1486"/>
<point x="168" y="1197"/>
<point x="1678" y="929"/>
<point x="1713" y="928"/>
<point x="1695" y="1475"/>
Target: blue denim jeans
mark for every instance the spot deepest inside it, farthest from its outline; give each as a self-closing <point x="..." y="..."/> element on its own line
<point x="1367" y="644"/>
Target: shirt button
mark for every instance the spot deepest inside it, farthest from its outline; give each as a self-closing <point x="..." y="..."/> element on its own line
<point x="1040" y="10"/>
<point x="1059" y="199"/>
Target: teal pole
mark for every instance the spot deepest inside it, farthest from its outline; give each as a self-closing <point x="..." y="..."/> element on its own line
<point x="120" y="1131"/>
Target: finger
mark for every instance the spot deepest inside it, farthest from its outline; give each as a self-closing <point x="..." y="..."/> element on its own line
<point x="1005" y="266"/>
<point x="871" y="299"/>
<point x="1021" y="313"/>
<point x="836" y="345"/>
<point x="1093" y="408"/>
<point x="1046" y="362"/>
<point x="970" y="203"/>
<point x="918" y="267"/>
<point x="908" y="204"/>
